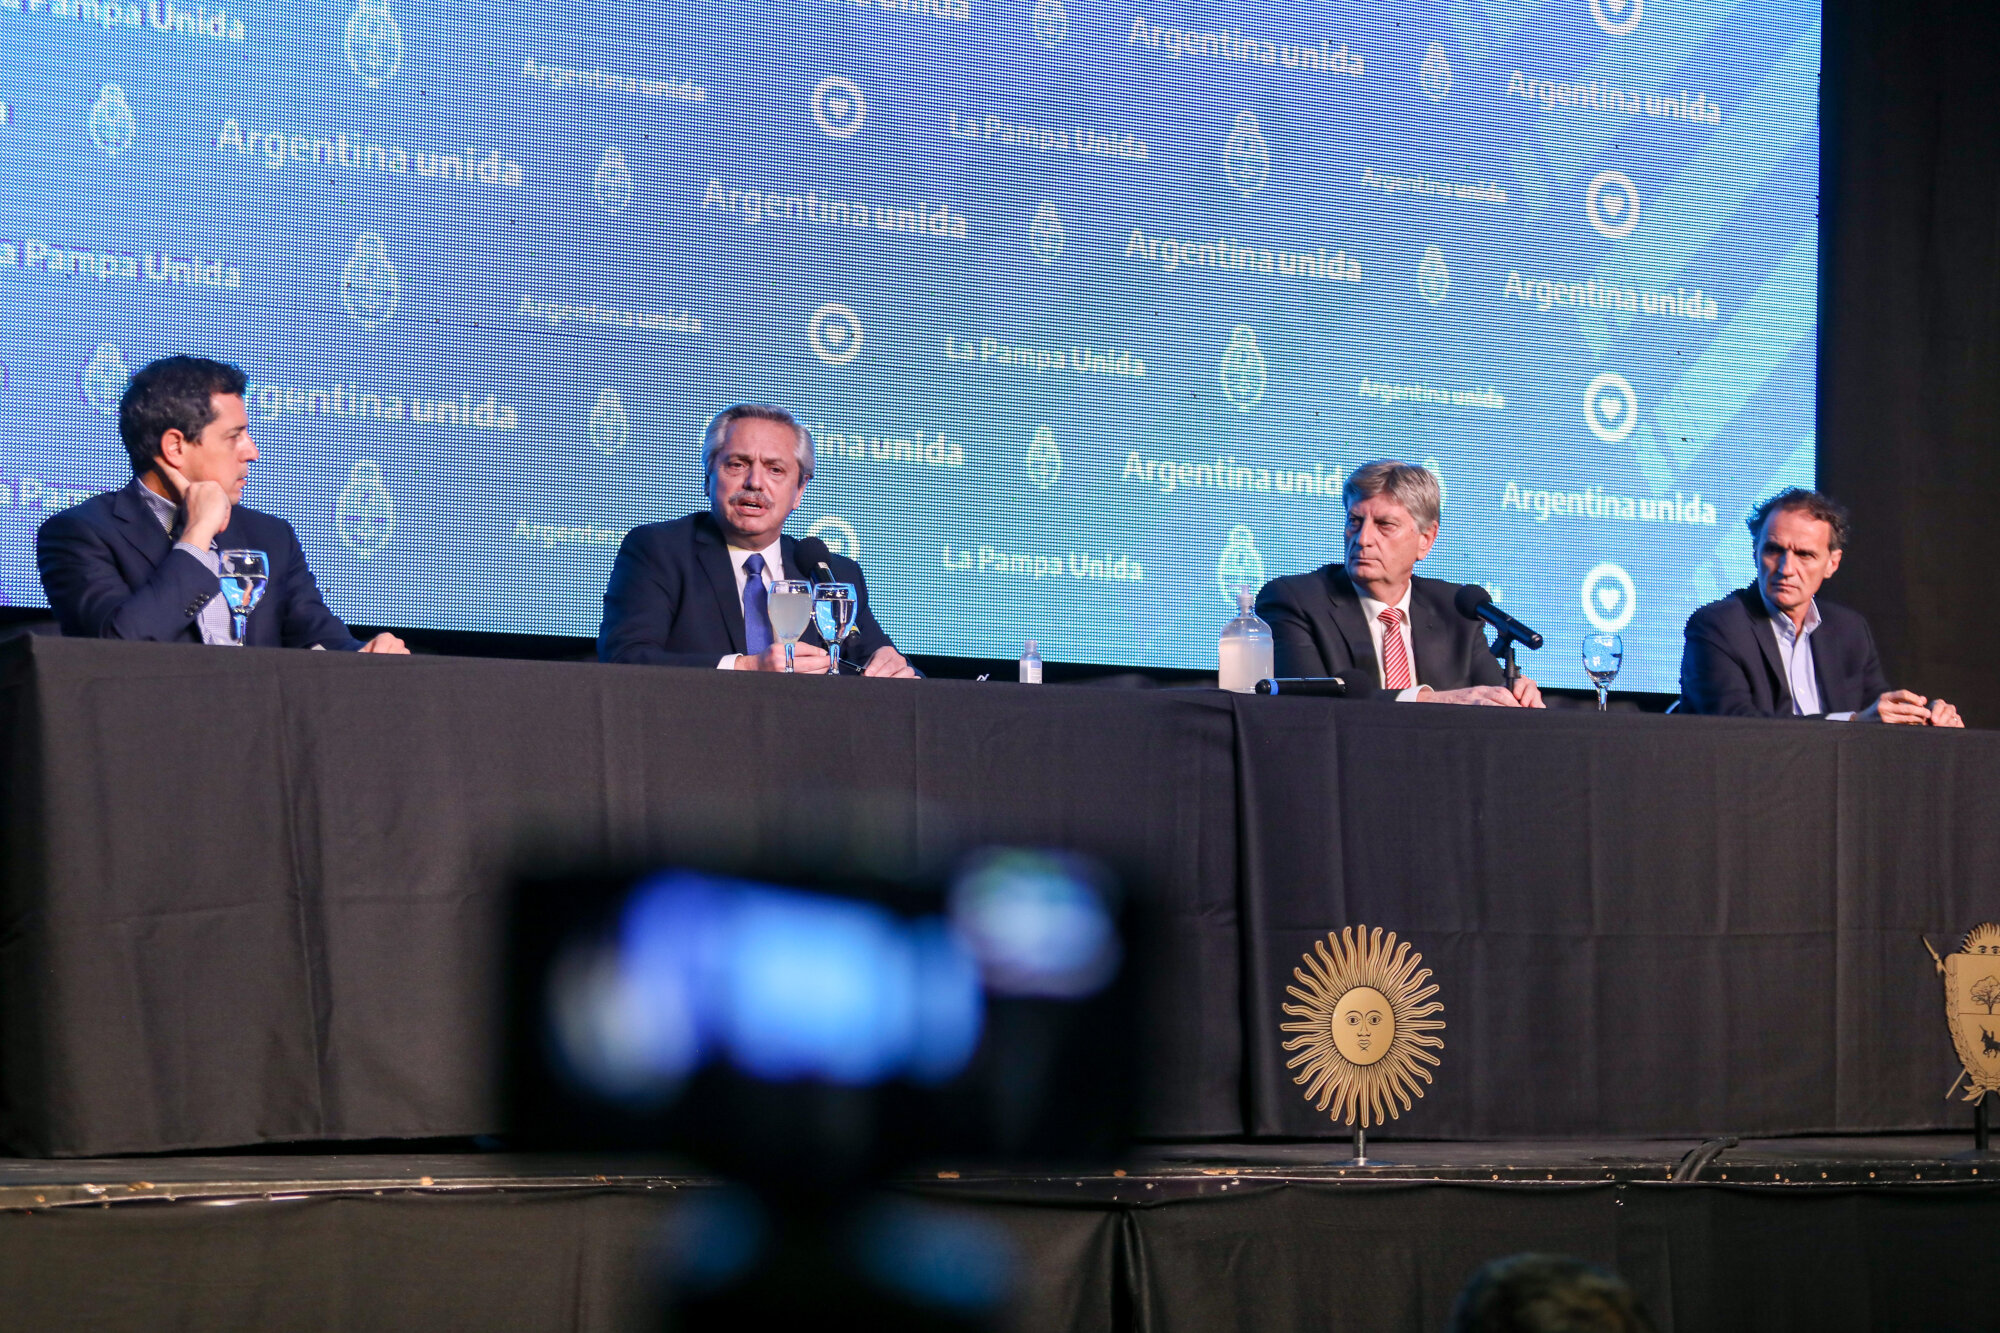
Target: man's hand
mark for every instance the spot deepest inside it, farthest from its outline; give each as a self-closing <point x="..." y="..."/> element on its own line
<point x="1527" y="693"/>
<point x="1944" y="715"/>
<point x="1485" y="696"/>
<point x="888" y="662"/>
<point x="808" y="660"/>
<point x="386" y="643"/>
<point x="205" y="503"/>
<point x="1902" y="707"/>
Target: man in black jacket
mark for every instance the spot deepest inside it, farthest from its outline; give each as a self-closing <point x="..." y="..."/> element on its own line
<point x="1774" y="649"/>
<point x="1373" y="615"/>
<point x="694" y="591"/>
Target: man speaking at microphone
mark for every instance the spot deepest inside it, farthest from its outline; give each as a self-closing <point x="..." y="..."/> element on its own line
<point x="1372" y="615"/>
<point x="695" y="591"/>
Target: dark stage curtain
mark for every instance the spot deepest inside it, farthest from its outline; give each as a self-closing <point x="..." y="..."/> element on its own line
<point x="1335" y="1257"/>
<point x="1266" y="1256"/>
<point x="1910" y="343"/>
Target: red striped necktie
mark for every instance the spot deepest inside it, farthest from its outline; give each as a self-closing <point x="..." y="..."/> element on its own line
<point x="1395" y="657"/>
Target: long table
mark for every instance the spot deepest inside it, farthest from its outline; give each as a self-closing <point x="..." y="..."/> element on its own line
<point x="257" y="896"/>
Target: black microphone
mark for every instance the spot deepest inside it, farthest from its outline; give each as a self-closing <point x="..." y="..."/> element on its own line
<point x="812" y="555"/>
<point x="815" y="559"/>
<point x="1317" y="687"/>
<point x="1475" y="603"/>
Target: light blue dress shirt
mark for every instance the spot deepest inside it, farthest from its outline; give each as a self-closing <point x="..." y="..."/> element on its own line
<point x="213" y="619"/>
<point x="1796" y="653"/>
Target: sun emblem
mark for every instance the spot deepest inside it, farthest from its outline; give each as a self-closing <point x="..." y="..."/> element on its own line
<point x="1364" y="1022"/>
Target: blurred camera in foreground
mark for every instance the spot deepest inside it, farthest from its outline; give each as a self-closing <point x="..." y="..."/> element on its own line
<point x="813" y="1037"/>
<point x="736" y="1015"/>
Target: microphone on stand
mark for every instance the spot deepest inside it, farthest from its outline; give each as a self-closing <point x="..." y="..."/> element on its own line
<point x="813" y="556"/>
<point x="1475" y="603"/>
<point x="815" y="559"/>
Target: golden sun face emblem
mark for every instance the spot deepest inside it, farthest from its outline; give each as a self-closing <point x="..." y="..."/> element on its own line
<point x="1364" y="1023"/>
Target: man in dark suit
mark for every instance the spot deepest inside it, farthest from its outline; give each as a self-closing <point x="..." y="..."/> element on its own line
<point x="141" y="562"/>
<point x="695" y="591"/>
<point x="1774" y="649"/>
<point x="1372" y="615"/>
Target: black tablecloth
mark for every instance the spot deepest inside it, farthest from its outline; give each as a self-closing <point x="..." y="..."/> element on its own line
<point x="1641" y="925"/>
<point x="255" y="896"/>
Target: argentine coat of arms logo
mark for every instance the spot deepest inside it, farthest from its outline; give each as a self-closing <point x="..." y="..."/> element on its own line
<point x="1972" y="1007"/>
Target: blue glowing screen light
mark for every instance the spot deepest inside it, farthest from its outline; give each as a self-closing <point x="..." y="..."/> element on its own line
<point x="1040" y="923"/>
<point x="937" y="1256"/>
<point x="782" y="984"/>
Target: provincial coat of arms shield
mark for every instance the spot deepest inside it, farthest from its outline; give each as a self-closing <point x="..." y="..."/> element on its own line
<point x="1972" y="1007"/>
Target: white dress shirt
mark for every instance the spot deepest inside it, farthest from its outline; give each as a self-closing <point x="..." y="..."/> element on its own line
<point x="774" y="569"/>
<point x="1795" y="652"/>
<point x="1373" y="610"/>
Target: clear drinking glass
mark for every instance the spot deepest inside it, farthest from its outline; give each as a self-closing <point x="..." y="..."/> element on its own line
<point x="1603" y="654"/>
<point x="834" y="607"/>
<point x="791" y="605"/>
<point x="244" y="574"/>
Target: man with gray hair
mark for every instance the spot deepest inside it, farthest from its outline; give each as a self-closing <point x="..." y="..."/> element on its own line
<point x="1373" y="616"/>
<point x="695" y="591"/>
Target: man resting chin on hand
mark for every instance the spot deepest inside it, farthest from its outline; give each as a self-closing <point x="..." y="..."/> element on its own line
<point x="143" y="563"/>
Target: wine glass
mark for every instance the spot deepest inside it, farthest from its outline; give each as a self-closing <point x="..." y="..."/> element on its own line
<point x="244" y="574"/>
<point x="1603" y="654"/>
<point x="834" y="606"/>
<point x="791" y="604"/>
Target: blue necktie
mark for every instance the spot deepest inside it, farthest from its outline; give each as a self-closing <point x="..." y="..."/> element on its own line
<point x="756" y="607"/>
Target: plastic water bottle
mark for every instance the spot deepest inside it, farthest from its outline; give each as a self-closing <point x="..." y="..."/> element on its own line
<point x="1031" y="665"/>
<point x="1246" y="653"/>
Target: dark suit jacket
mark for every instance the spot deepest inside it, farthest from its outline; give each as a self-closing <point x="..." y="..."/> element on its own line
<point x="111" y="572"/>
<point x="672" y="599"/>
<point x="1730" y="663"/>
<point x="1320" y="630"/>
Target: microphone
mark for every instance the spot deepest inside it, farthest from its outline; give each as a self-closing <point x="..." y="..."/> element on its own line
<point x="1317" y="687"/>
<point x="1475" y="603"/>
<point x="813" y="555"/>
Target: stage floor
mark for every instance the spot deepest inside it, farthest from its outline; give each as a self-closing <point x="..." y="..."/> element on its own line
<point x="1163" y="1171"/>
<point x="1864" y="1233"/>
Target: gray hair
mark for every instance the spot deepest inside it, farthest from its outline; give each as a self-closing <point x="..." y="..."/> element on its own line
<point x="1412" y="487"/>
<point x="717" y="435"/>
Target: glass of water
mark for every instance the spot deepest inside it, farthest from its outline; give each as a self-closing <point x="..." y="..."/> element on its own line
<point x="1603" y="654"/>
<point x="834" y="607"/>
<point x="244" y="576"/>
<point x="791" y="611"/>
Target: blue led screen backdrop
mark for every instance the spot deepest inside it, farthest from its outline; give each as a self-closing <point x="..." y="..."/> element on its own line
<point x="1091" y="305"/>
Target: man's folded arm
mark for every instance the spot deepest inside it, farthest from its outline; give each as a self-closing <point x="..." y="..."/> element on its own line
<point x="1293" y="651"/>
<point x="1713" y="680"/>
<point x="1874" y="681"/>
<point x="308" y="622"/>
<point x="639" y="609"/>
<point x="1486" y="668"/>
<point x="869" y="636"/>
<point x="92" y="600"/>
